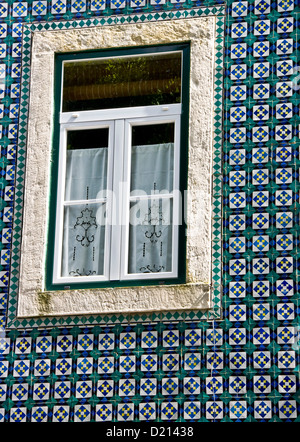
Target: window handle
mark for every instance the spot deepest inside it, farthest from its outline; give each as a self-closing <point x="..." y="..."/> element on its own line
<point x="75" y="115"/>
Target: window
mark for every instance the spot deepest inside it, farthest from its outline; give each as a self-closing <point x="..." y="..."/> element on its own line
<point x="119" y="158"/>
<point x="60" y="117"/>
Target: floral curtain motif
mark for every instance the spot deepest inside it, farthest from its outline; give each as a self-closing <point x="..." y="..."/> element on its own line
<point x="150" y="241"/>
<point x="150" y="229"/>
<point x="84" y="226"/>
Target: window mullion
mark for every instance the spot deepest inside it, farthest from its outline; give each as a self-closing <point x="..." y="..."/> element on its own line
<point x="116" y="201"/>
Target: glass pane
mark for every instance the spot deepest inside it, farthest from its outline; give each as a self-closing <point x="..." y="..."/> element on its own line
<point x="103" y="83"/>
<point x="152" y="159"/>
<point x="83" y="240"/>
<point x="86" y="169"/>
<point x="150" y="236"/>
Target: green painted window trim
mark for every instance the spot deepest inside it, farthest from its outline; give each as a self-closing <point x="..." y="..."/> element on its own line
<point x="60" y="58"/>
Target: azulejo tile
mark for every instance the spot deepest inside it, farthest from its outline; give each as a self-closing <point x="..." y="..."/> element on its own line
<point x="127" y="340"/>
<point x="41" y="391"/>
<point x="287" y="409"/>
<point x="126" y="412"/>
<point x="85" y="342"/>
<point x="126" y="387"/>
<point x="260" y="129"/>
<point x="149" y="363"/>
<point x="237" y="384"/>
<point x="64" y="343"/>
<point x="192" y="361"/>
<point x="214" y="385"/>
<point x="287" y="383"/>
<point x="106" y="341"/>
<point x="39" y="414"/>
<point x="149" y="339"/>
<point x="214" y="410"/>
<point x="147" y="411"/>
<point x="127" y="364"/>
<point x="21" y="368"/>
<point x="23" y="345"/>
<point x="61" y="413"/>
<point x="39" y="7"/>
<point x="238" y="409"/>
<point x="169" y="410"/>
<point x="238" y="360"/>
<point x="42" y="367"/>
<point x="3" y="391"/>
<point x="58" y="7"/>
<point x="106" y="365"/>
<point x="82" y="413"/>
<point x="103" y="413"/>
<point x="262" y="384"/>
<point x="97" y="5"/>
<point x="170" y="386"/>
<point x="83" y="389"/>
<point x="62" y="389"/>
<point x="170" y="362"/>
<point x="148" y="387"/>
<point x="237" y="289"/>
<point x="192" y="410"/>
<point x="105" y="388"/>
<point x="262" y="409"/>
<point x="20" y="392"/>
<point x="84" y="365"/>
<point x="170" y="338"/>
<point x="63" y="366"/>
<point x="192" y="337"/>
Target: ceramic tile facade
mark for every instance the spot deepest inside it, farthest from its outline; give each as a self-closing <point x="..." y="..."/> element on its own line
<point x="241" y="364"/>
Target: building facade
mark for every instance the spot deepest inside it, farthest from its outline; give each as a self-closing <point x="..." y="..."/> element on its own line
<point x="221" y="344"/>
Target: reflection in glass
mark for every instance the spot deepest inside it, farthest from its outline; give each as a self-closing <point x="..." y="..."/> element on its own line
<point x="103" y="83"/>
<point x="86" y="168"/>
<point x="152" y="159"/>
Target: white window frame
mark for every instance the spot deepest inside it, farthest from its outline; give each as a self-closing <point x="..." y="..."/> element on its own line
<point x="119" y="122"/>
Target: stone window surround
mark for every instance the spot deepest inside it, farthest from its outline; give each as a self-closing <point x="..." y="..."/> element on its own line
<point x="33" y="300"/>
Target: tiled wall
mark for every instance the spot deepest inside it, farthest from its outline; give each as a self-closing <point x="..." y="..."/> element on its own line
<point x="244" y="367"/>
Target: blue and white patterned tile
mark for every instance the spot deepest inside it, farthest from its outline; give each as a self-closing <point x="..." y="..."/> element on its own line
<point x="61" y="413"/>
<point x="192" y="410"/>
<point x="238" y="409"/>
<point x="39" y="414"/>
<point x="105" y="388"/>
<point x="106" y="365"/>
<point x="83" y="389"/>
<point x="147" y="411"/>
<point x="39" y="8"/>
<point x="125" y="412"/>
<point x="262" y="409"/>
<point x="169" y="411"/>
<point x="103" y="412"/>
<point x="41" y="391"/>
<point x="62" y="390"/>
<point x="237" y="385"/>
<point x="82" y="413"/>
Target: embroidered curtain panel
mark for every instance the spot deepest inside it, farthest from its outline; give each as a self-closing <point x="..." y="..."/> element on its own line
<point x="150" y="231"/>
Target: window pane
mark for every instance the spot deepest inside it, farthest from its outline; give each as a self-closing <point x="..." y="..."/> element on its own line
<point x="152" y="159"/>
<point x="150" y="236"/>
<point x="86" y="169"/>
<point x="83" y="240"/>
<point x="116" y="82"/>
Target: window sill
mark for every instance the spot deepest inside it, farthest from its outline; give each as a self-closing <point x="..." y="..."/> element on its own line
<point x="116" y="300"/>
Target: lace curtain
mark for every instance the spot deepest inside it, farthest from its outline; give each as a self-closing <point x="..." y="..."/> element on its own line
<point x="150" y="230"/>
